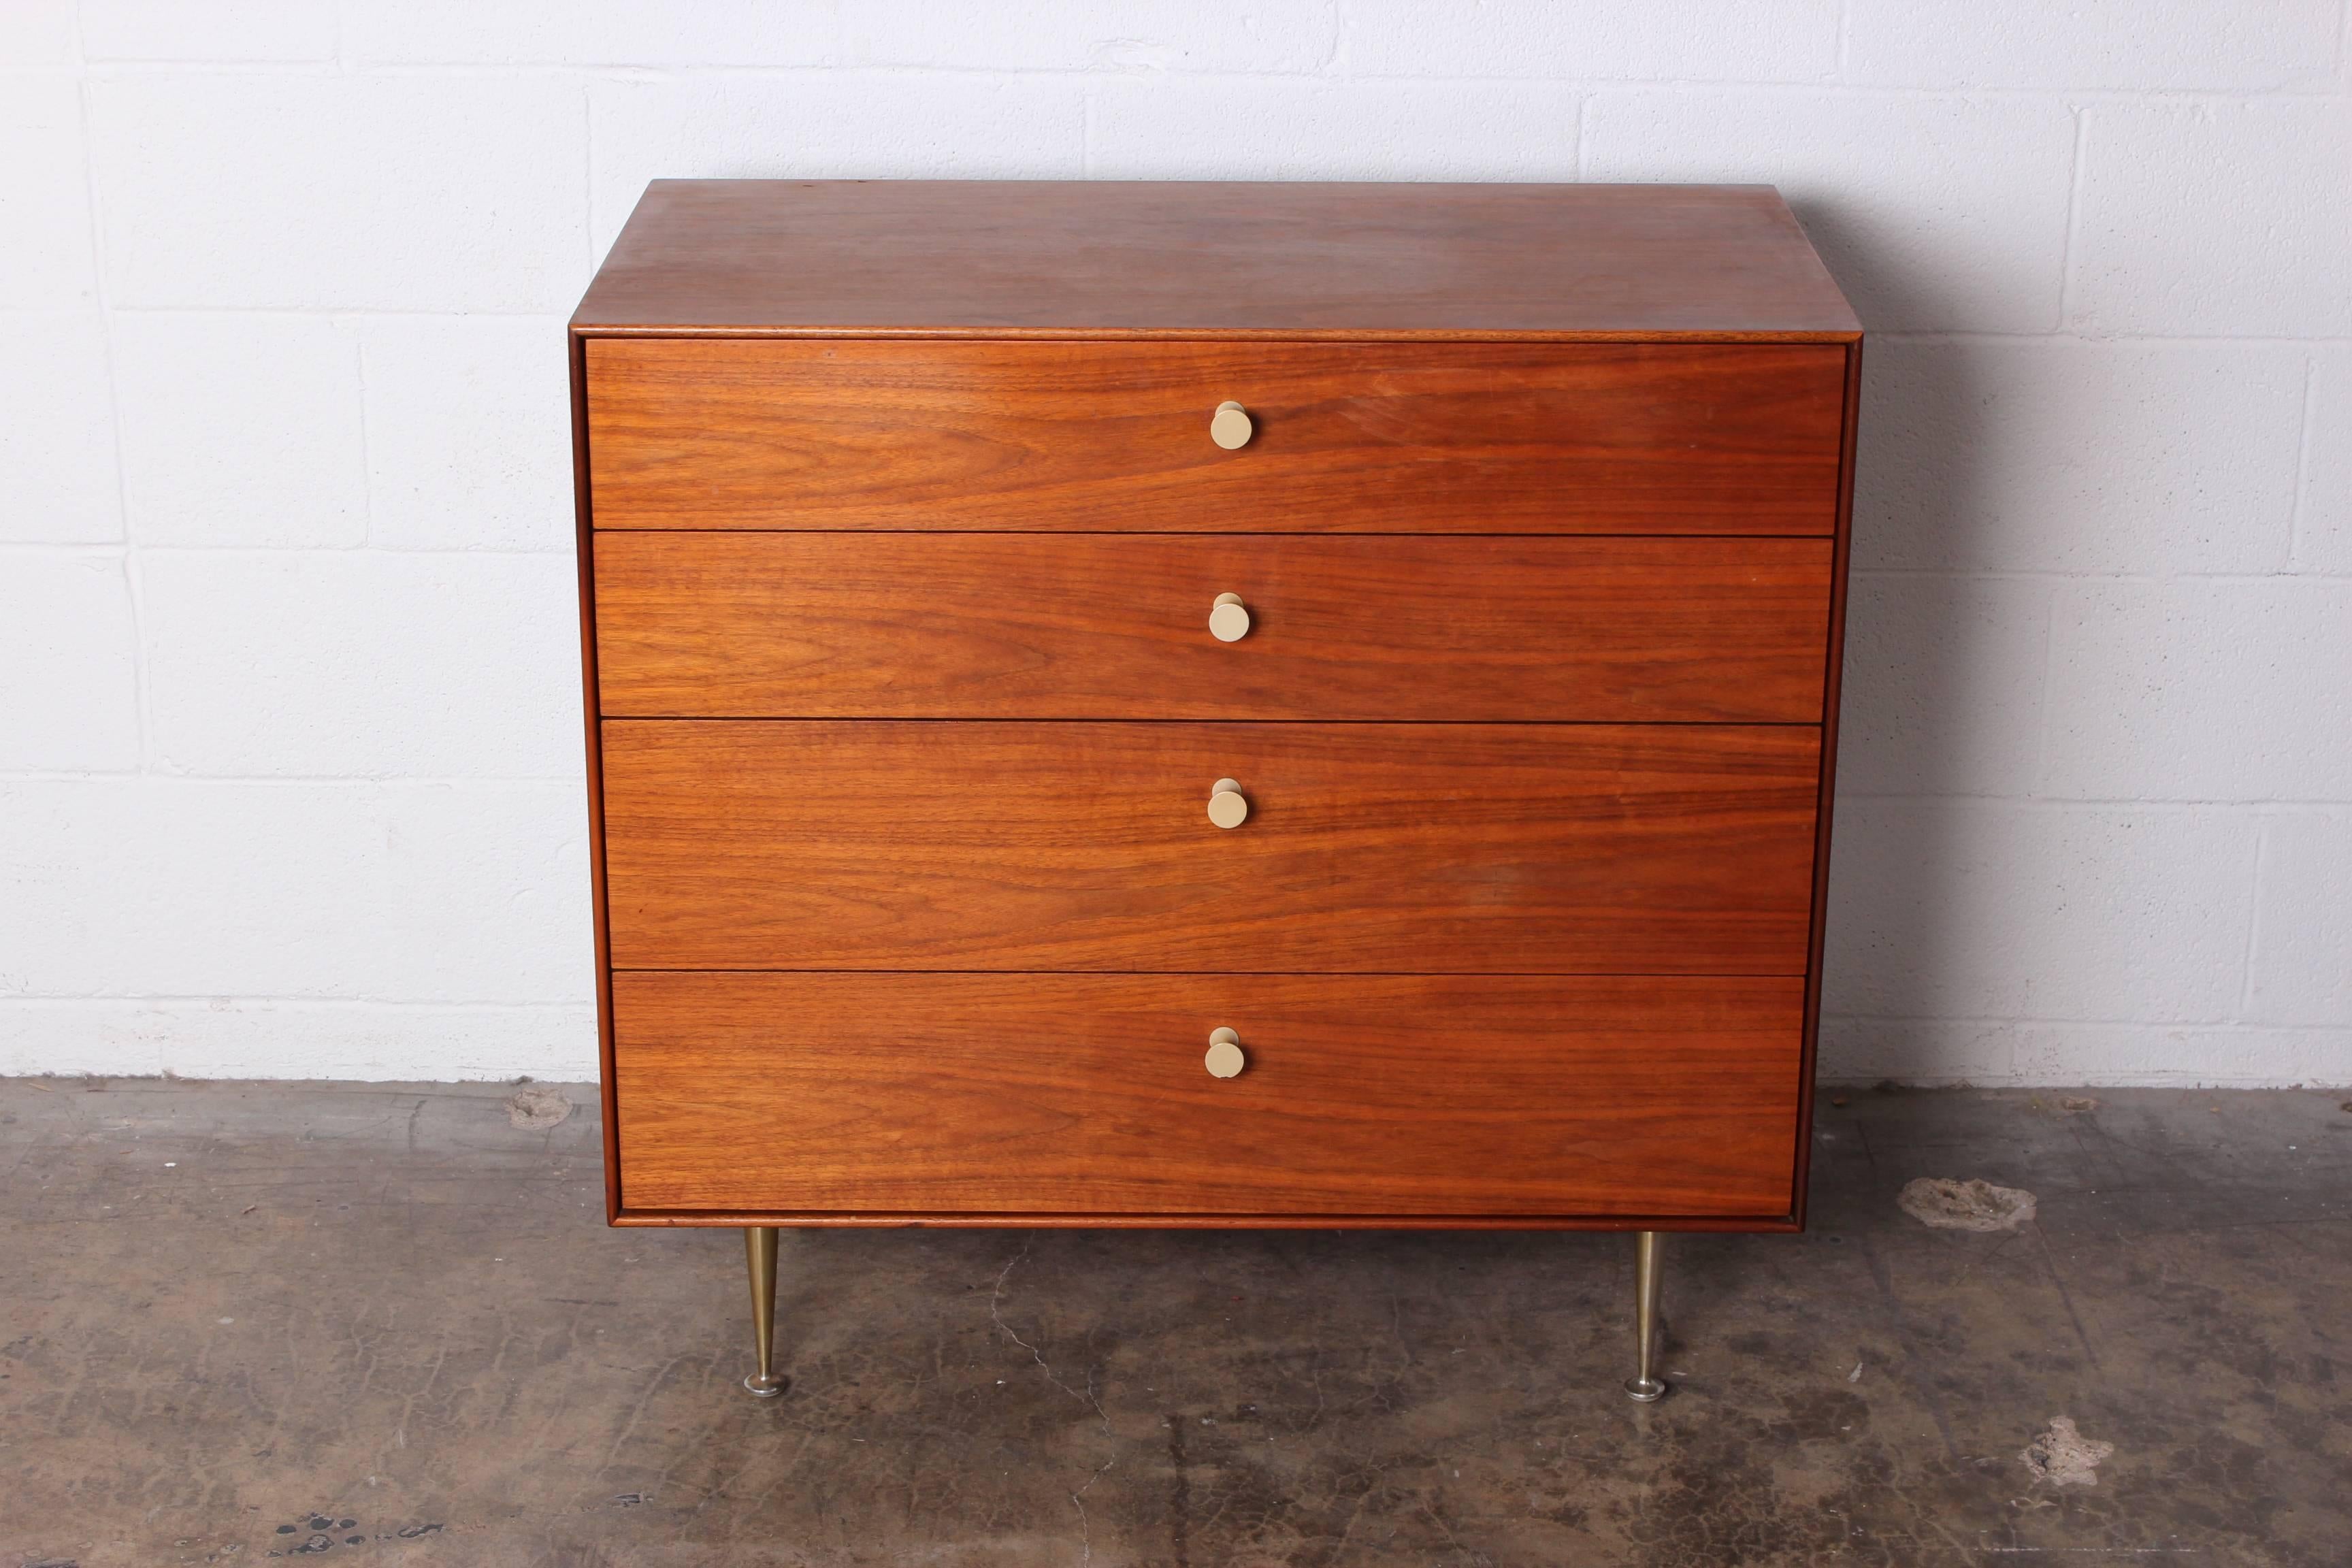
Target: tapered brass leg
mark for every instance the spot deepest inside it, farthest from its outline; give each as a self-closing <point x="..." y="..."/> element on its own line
<point x="1645" y="1386"/>
<point x="759" y="1251"/>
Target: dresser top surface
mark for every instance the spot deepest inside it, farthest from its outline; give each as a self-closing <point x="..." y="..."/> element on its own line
<point x="1004" y="258"/>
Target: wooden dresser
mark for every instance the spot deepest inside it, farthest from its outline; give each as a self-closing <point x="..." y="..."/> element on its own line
<point x="1210" y="704"/>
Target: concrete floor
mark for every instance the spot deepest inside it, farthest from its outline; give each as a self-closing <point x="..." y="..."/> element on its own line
<point x="239" y="1322"/>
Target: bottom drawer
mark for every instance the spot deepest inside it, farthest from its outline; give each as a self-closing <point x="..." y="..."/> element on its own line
<point x="959" y="1096"/>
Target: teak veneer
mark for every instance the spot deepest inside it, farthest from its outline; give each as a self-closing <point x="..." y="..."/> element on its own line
<point x="1016" y="626"/>
<point x="1446" y="848"/>
<point x="1521" y="437"/>
<point x="1425" y="1096"/>
<point x="1388" y="636"/>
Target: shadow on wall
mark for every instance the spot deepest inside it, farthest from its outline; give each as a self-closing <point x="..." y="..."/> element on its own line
<point x="1921" y="649"/>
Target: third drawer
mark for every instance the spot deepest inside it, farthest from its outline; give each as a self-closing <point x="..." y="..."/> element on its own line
<point x="1537" y="849"/>
<point x="1081" y="626"/>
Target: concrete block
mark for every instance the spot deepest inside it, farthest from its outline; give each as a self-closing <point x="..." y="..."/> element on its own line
<point x="1933" y="213"/>
<point x="1994" y="1054"/>
<point x="238" y="1036"/>
<point x="1674" y="40"/>
<point x="59" y="482"/>
<point x="638" y="34"/>
<point x="2302" y="961"/>
<point x="827" y="125"/>
<point x="450" y="193"/>
<point x="2225" y="1057"/>
<point x="241" y="429"/>
<point x="2215" y="218"/>
<point x="216" y="31"/>
<point x="2323" y="522"/>
<point x="2077" y="457"/>
<point x="2083" y="688"/>
<point x="1076" y="34"/>
<point x="364" y="663"/>
<point x="2203" y="690"/>
<point x="2001" y="910"/>
<point x="141" y="887"/>
<point x="2213" y="46"/>
<point x="37" y="33"/>
<point x="1307" y="128"/>
<point x="468" y="433"/>
<point x="68" y="685"/>
<point x="46" y="258"/>
<point x="1942" y="684"/>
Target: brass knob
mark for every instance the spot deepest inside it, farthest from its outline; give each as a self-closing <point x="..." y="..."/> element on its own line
<point x="1224" y="1058"/>
<point x="1227" y="808"/>
<point x="1229" y="618"/>
<point x="1230" y="426"/>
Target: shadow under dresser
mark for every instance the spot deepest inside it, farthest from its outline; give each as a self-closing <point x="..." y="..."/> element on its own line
<point x="1248" y="705"/>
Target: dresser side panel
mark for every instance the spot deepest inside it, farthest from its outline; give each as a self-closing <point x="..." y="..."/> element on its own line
<point x="1834" y="672"/>
<point x="584" y="545"/>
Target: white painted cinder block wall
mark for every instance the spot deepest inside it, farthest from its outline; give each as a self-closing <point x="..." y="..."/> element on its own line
<point x="290" y="763"/>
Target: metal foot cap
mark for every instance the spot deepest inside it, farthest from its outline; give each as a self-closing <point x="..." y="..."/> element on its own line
<point x="1644" y="1390"/>
<point x="769" y="1387"/>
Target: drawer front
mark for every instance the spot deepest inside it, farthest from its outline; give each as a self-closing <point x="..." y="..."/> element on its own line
<point x="749" y="844"/>
<point x="1094" y="436"/>
<point x="1009" y="625"/>
<point x="1065" y="1094"/>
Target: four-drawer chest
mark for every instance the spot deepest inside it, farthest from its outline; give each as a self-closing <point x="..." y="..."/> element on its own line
<point x="1161" y="704"/>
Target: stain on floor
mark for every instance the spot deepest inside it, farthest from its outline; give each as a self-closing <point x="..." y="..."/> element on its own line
<point x="386" y="1323"/>
<point x="1976" y="1205"/>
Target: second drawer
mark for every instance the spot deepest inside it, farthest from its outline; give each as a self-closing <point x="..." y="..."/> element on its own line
<point x="1119" y="626"/>
<point x="1401" y="848"/>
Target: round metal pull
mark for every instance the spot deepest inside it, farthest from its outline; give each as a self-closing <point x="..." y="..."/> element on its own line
<point x="1230" y="426"/>
<point x="1229" y="618"/>
<point x="1224" y="1058"/>
<point x="1227" y="808"/>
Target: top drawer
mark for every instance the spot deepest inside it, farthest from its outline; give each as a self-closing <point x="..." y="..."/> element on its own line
<point x="1095" y="436"/>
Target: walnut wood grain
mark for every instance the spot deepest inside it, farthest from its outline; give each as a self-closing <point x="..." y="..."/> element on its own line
<point x="957" y="1094"/>
<point x="1090" y="436"/>
<point x="1434" y="848"/>
<point x="1115" y="627"/>
<point x="1098" y="258"/>
<point x="1627" y="854"/>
